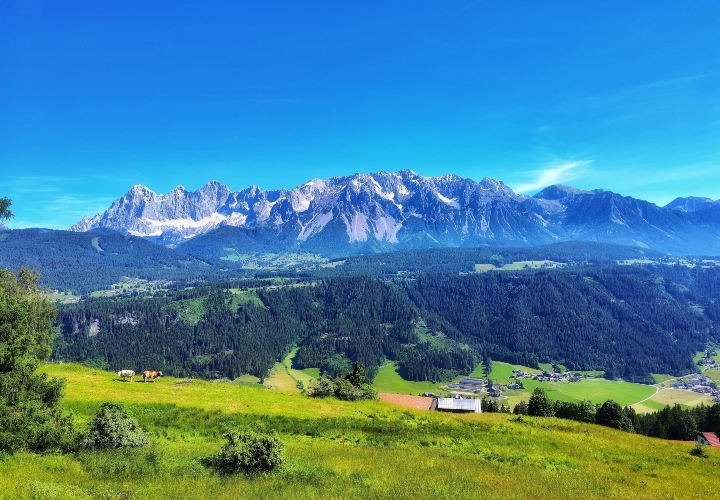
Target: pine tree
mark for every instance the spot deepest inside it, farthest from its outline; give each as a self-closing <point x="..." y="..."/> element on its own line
<point x="30" y="412"/>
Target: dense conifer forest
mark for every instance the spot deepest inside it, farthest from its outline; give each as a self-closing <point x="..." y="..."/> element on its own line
<point x="628" y="321"/>
<point x="83" y="262"/>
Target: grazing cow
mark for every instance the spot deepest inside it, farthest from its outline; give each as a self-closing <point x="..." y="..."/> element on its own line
<point x="127" y="373"/>
<point x="153" y="375"/>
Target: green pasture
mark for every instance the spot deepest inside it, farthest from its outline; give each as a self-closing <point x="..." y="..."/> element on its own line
<point x="661" y="378"/>
<point x="284" y="377"/>
<point x="481" y="268"/>
<point x="190" y="310"/>
<point x="519" y="265"/>
<point x="240" y="297"/>
<point x="303" y="376"/>
<point x="63" y="297"/>
<point x="502" y="372"/>
<point x="597" y="390"/>
<point x="713" y="374"/>
<point x="336" y="449"/>
<point x="388" y="380"/>
<point x="682" y="397"/>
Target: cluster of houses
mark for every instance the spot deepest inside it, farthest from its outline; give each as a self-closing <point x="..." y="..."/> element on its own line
<point x="554" y="376"/>
<point x="702" y="385"/>
<point x="474" y="386"/>
<point x="470" y="385"/>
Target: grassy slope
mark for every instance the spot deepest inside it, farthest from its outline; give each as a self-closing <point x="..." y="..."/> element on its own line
<point x="388" y="380"/>
<point x="343" y="450"/>
<point x="285" y="378"/>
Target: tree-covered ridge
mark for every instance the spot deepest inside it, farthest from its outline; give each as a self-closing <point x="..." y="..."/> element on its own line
<point x="83" y="262"/>
<point x="575" y="253"/>
<point x="626" y="321"/>
<point x="621" y="320"/>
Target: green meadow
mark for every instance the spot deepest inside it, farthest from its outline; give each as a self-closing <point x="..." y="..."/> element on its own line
<point x="337" y="449"/>
<point x="597" y="390"/>
<point x="388" y="380"/>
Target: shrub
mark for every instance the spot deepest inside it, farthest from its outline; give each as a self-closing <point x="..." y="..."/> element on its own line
<point x="113" y="428"/>
<point x="323" y="387"/>
<point x="349" y="387"/>
<point x="248" y="452"/>
<point x="699" y="451"/>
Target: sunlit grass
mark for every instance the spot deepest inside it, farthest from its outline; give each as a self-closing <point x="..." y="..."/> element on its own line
<point x="679" y="396"/>
<point x="349" y="450"/>
<point x="388" y="380"/>
<point x="660" y="378"/>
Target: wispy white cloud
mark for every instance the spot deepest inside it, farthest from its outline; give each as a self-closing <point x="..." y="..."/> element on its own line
<point x="470" y="5"/>
<point x="556" y="174"/>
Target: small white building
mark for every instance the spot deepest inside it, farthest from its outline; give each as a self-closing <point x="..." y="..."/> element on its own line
<point x="457" y="405"/>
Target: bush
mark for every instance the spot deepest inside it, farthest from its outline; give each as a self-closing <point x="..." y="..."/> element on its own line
<point x="699" y="451"/>
<point x="322" y="388"/>
<point x="248" y="452"/>
<point x="113" y="428"/>
<point x="349" y="387"/>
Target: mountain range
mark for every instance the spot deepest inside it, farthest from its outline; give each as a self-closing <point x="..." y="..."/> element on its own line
<point x="366" y="213"/>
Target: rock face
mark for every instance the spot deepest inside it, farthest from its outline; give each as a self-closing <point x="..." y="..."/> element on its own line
<point x="393" y="210"/>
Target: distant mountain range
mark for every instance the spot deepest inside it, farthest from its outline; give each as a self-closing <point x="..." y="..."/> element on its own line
<point x="366" y="213"/>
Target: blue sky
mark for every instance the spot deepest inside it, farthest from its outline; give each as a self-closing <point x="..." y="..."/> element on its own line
<point x="98" y="96"/>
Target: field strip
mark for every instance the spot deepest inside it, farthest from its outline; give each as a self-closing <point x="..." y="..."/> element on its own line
<point x="657" y="391"/>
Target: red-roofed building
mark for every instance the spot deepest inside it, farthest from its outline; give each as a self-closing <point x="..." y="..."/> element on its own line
<point x="708" y="438"/>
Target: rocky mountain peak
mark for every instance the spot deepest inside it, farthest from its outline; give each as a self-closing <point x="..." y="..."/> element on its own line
<point x="691" y="204"/>
<point x="393" y="210"/>
<point x="558" y="192"/>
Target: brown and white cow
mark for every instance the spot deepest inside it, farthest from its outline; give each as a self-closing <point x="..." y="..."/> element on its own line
<point x="127" y="373"/>
<point x="153" y="375"/>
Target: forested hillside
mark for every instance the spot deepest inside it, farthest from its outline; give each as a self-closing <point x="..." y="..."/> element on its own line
<point x="464" y="259"/>
<point x="625" y="320"/>
<point x="83" y="262"/>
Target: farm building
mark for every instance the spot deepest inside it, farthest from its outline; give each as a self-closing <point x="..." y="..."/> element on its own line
<point x="458" y="405"/>
<point x="708" y="438"/>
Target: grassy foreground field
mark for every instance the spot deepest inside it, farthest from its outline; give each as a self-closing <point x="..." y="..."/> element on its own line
<point x="348" y="450"/>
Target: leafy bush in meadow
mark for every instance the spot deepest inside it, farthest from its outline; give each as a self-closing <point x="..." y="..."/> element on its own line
<point x="349" y="387"/>
<point x="248" y="452"/>
<point x="113" y="428"/>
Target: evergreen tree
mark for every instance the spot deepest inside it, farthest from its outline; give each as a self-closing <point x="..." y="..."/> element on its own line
<point x="539" y="404"/>
<point x="521" y="408"/>
<point x="5" y="212"/>
<point x="611" y="414"/>
<point x="30" y="412"/>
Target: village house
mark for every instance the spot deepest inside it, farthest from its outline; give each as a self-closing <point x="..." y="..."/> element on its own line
<point x="708" y="439"/>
